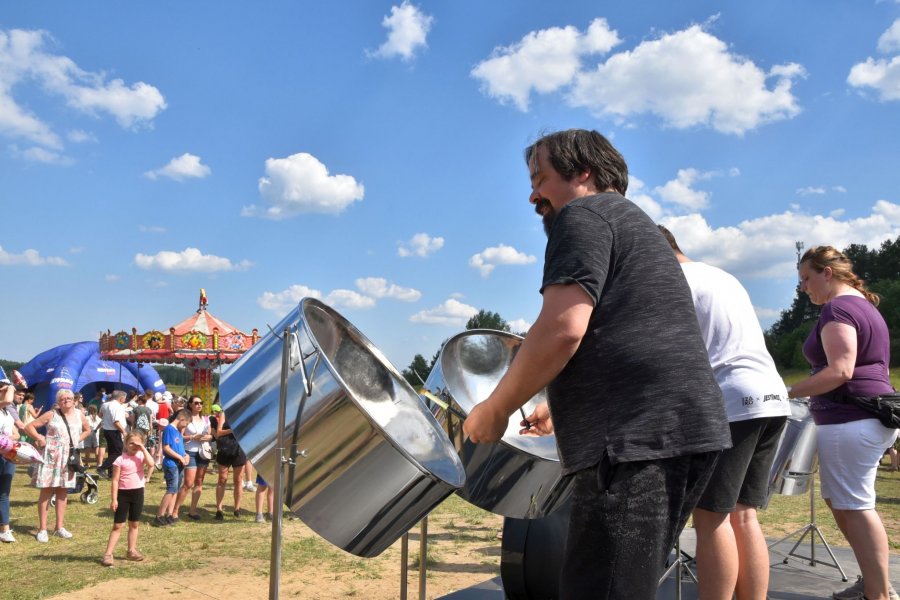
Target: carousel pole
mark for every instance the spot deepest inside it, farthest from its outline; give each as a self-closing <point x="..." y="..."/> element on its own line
<point x="278" y="484"/>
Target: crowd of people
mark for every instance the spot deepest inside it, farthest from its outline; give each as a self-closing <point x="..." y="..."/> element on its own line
<point x="127" y="436"/>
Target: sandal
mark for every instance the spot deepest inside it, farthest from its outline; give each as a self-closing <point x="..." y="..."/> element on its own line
<point x="107" y="560"/>
<point x="135" y="556"/>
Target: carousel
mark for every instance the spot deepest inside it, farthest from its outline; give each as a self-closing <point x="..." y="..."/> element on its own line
<point x="201" y="343"/>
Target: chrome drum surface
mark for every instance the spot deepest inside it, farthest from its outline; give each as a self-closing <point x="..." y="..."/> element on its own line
<point x="370" y="459"/>
<point x="797" y="456"/>
<point x="518" y="477"/>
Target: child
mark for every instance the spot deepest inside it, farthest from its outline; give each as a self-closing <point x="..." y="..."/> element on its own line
<point x="175" y="458"/>
<point x="263" y="489"/>
<point x="127" y="496"/>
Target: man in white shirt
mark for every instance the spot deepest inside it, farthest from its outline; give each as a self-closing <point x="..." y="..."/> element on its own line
<point x="113" y="423"/>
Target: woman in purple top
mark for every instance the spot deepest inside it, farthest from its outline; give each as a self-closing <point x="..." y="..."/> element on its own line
<point x="849" y="350"/>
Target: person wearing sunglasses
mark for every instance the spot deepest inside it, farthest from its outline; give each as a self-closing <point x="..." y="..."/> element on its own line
<point x="197" y="431"/>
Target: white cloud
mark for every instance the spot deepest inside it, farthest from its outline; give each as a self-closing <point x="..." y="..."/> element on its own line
<point x="766" y="313"/>
<point x="408" y="29"/>
<point x="78" y="136"/>
<point x="29" y="258"/>
<point x="151" y="229"/>
<point x="112" y="277"/>
<point x="76" y="249"/>
<point x="881" y="75"/>
<point x="41" y="155"/>
<point x="489" y="258"/>
<point x="542" y="61"/>
<point x="838" y="212"/>
<point x="421" y="245"/>
<point x="286" y="300"/>
<point x="348" y="299"/>
<point x="451" y="313"/>
<point x="840" y="189"/>
<point x="637" y="193"/>
<point x="378" y="287"/>
<point x="764" y="247"/>
<point x="25" y="58"/>
<point x="890" y="39"/>
<point x="679" y="191"/>
<point x="188" y="260"/>
<point x="186" y="166"/>
<point x="687" y="79"/>
<point x="811" y="190"/>
<point x="301" y="184"/>
<point x="519" y="325"/>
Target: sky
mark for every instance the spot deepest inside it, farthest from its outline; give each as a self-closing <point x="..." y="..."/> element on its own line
<point x="369" y="153"/>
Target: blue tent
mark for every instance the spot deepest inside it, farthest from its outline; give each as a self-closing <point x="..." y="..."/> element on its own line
<point x="78" y="367"/>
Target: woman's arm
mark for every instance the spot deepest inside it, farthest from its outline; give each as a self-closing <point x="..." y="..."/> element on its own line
<point x="839" y="342"/>
<point x="31" y="428"/>
<point x="85" y="428"/>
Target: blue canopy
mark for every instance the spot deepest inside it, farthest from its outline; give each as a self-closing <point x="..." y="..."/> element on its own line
<point x="78" y="367"/>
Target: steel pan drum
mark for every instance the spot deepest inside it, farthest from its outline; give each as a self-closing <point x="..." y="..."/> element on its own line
<point x="797" y="456"/>
<point x="370" y="459"/>
<point x="518" y="477"/>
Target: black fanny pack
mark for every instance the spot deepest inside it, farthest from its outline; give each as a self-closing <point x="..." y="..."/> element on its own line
<point x="885" y="408"/>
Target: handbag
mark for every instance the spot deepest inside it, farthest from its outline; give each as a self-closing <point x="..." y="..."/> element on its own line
<point x="885" y="408"/>
<point x="205" y="451"/>
<point x="74" y="463"/>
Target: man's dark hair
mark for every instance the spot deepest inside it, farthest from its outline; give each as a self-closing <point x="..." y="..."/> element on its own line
<point x="670" y="238"/>
<point x="575" y="151"/>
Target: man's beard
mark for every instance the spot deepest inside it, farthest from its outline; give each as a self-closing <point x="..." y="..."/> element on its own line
<point x="548" y="215"/>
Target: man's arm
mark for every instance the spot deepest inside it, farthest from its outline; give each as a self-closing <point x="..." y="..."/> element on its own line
<point x="550" y="343"/>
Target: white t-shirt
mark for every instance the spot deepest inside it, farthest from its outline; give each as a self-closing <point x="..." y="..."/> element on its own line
<point x="111" y="412"/>
<point x="7" y="424"/>
<point x="734" y="341"/>
<point x="154" y="408"/>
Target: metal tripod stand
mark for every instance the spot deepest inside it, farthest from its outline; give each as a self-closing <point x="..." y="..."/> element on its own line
<point x="681" y="567"/>
<point x="812" y="530"/>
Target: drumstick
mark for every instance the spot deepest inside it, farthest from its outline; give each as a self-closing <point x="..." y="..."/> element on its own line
<point x="524" y="418"/>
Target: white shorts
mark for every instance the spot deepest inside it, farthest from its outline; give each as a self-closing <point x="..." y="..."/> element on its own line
<point x="849" y="454"/>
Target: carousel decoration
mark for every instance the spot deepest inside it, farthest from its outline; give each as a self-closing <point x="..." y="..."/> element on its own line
<point x="201" y="343"/>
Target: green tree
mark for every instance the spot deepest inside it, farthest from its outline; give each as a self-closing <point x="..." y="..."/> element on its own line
<point x="486" y="319"/>
<point x="417" y="371"/>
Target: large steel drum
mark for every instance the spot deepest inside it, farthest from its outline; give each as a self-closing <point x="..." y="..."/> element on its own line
<point x="370" y="459"/>
<point x="797" y="456"/>
<point x="518" y="477"/>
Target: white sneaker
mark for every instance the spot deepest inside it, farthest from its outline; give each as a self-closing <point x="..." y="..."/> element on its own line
<point x="260" y="518"/>
<point x="855" y="592"/>
<point x="42" y="536"/>
<point x="249" y="486"/>
<point x="63" y="533"/>
<point x="7" y="536"/>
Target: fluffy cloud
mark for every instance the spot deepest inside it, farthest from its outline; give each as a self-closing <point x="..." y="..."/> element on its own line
<point x="186" y="166"/>
<point x="890" y="39"/>
<point x="301" y="184"/>
<point x="421" y="245"/>
<point x="286" y="300"/>
<point x="542" y="61"/>
<point x="811" y="190"/>
<point x="378" y="287"/>
<point x="407" y="29"/>
<point x="764" y="247"/>
<point x="41" y="155"/>
<point x="637" y="193"/>
<point x="519" y="325"/>
<point x="687" y="79"/>
<point x="188" y="260"/>
<point x="349" y="299"/>
<point x="25" y="58"/>
<point x="680" y="191"/>
<point x="451" y="313"/>
<point x="29" y="258"/>
<point x="881" y="75"/>
<point x="151" y="229"/>
<point x="489" y="258"/>
<point x="78" y="136"/>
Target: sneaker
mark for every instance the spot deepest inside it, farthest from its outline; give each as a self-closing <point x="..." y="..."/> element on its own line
<point x="855" y="592"/>
<point x="63" y="533"/>
<point x="107" y="561"/>
<point x="134" y="555"/>
<point x="160" y="521"/>
<point x="220" y="516"/>
<point x="193" y="517"/>
<point x="7" y="536"/>
<point x="249" y="486"/>
<point x="173" y="520"/>
<point x="42" y="536"/>
<point x="260" y="518"/>
<point x="238" y="513"/>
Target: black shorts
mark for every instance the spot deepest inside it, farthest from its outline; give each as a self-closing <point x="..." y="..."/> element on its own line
<point x="131" y="505"/>
<point x="238" y="459"/>
<point x="742" y="473"/>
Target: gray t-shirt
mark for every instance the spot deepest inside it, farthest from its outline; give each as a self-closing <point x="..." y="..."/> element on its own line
<point x="639" y="387"/>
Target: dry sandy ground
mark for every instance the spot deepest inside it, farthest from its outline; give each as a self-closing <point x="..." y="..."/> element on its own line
<point x="461" y="561"/>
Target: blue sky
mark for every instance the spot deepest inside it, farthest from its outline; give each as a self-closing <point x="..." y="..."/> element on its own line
<point x="370" y="153"/>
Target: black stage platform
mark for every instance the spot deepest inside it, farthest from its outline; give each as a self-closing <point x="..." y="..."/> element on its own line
<point x="796" y="580"/>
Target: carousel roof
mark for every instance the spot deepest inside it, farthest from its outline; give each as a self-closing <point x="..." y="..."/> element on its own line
<point x="202" y="336"/>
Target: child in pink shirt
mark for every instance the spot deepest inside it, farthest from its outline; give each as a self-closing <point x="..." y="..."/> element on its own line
<point x="127" y="496"/>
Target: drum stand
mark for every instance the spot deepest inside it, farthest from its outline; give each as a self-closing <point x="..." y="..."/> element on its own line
<point x="423" y="560"/>
<point x="812" y="530"/>
<point x="681" y="568"/>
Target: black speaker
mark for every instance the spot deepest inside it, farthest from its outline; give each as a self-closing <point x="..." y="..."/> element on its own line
<point x="532" y="555"/>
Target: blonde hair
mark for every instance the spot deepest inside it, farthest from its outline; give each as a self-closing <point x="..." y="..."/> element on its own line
<point x="135" y="434"/>
<point x="819" y="257"/>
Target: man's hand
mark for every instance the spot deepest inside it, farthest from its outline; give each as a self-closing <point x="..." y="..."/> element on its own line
<point x="485" y="424"/>
<point x="539" y="422"/>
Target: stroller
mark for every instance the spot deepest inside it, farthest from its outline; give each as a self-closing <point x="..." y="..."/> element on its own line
<point x="86" y="485"/>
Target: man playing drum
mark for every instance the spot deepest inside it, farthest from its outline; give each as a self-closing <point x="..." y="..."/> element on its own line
<point x="732" y="556"/>
<point x="638" y="416"/>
